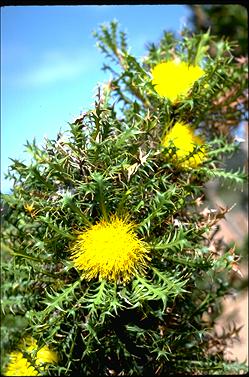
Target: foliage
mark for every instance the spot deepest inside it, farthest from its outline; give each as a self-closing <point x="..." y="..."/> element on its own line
<point x="226" y="20"/>
<point x="111" y="161"/>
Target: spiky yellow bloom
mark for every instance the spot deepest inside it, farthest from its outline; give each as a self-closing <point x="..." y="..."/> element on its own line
<point x="185" y="141"/>
<point x="174" y="79"/>
<point x="43" y="355"/>
<point x="28" y="344"/>
<point x="46" y="356"/>
<point x="21" y="366"/>
<point x="110" y="250"/>
<point x="30" y="209"/>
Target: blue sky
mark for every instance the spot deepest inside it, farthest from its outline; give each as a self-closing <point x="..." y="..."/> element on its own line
<point x="50" y="66"/>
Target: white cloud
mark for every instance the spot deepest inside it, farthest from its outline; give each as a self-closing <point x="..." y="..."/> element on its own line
<point x="55" y="66"/>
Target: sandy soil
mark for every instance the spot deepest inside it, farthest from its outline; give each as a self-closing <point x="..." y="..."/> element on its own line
<point x="233" y="229"/>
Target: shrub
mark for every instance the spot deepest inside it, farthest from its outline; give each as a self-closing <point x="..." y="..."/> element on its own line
<point x="108" y="254"/>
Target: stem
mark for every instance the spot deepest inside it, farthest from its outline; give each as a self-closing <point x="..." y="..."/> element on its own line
<point x="102" y="200"/>
<point x="133" y="88"/>
<point x="60" y="297"/>
<point x="16" y="254"/>
<point x="78" y="211"/>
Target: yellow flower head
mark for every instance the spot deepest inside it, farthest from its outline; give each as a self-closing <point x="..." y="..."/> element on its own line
<point x="28" y="344"/>
<point x="43" y="355"/>
<point x="183" y="138"/>
<point x="46" y="356"/>
<point x="30" y="209"/>
<point x="109" y="250"/>
<point x="174" y="79"/>
<point x="21" y="366"/>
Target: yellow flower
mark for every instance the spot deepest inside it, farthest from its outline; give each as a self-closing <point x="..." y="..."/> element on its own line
<point x="28" y="344"/>
<point x="183" y="138"/>
<point x="174" y="79"/>
<point x="20" y="365"/>
<point x="45" y="355"/>
<point x="31" y="209"/>
<point x="110" y="250"/>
